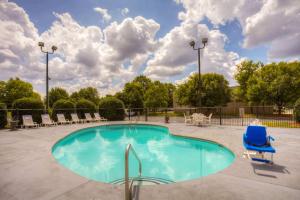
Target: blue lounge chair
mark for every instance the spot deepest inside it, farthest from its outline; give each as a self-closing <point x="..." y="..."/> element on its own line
<point x="256" y="139"/>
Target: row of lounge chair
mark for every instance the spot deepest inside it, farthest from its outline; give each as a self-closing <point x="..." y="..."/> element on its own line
<point x="197" y="119"/>
<point x="47" y="121"/>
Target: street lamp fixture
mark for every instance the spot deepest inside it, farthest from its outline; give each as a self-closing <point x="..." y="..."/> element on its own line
<point x="192" y="44"/>
<point x="53" y="48"/>
<point x="204" y="41"/>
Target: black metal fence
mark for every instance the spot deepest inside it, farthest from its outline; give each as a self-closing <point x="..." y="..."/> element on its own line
<point x="230" y="116"/>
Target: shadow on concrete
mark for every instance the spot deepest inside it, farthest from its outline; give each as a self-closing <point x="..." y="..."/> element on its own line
<point x="258" y="167"/>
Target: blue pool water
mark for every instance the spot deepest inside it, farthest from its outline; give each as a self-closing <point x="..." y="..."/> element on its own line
<point x="98" y="153"/>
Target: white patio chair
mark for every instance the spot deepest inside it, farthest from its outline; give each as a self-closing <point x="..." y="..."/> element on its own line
<point x="62" y="120"/>
<point x="89" y="118"/>
<point x="75" y="119"/>
<point x="187" y="119"/>
<point x="28" y="122"/>
<point x="99" y="118"/>
<point x="46" y="120"/>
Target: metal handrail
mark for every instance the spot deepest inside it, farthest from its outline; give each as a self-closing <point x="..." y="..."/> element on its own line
<point x="127" y="187"/>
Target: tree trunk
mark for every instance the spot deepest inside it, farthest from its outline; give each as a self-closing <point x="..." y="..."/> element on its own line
<point x="279" y="109"/>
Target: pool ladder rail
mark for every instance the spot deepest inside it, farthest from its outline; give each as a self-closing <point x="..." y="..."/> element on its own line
<point x="129" y="182"/>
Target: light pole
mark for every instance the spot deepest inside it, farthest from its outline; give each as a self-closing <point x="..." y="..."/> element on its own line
<point x="54" y="48"/>
<point x="192" y="44"/>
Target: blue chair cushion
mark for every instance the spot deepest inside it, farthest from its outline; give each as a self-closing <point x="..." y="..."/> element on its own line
<point x="264" y="148"/>
<point x="256" y="136"/>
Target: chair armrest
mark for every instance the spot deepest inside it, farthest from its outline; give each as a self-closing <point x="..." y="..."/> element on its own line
<point x="271" y="138"/>
<point x="245" y="138"/>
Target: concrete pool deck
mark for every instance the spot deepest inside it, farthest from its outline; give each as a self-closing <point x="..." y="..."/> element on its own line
<point x="29" y="171"/>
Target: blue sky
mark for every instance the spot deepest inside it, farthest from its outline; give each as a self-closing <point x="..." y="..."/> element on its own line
<point x="164" y="12"/>
<point x="99" y="45"/>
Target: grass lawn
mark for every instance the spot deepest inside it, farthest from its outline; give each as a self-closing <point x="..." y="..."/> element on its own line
<point x="170" y="113"/>
<point x="281" y="124"/>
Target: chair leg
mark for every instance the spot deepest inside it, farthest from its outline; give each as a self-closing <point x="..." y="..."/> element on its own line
<point x="271" y="159"/>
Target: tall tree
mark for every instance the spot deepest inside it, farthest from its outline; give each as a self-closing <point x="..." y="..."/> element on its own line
<point x="2" y="91"/>
<point x="171" y="89"/>
<point x="156" y="95"/>
<point x="215" y="91"/>
<point x="57" y="93"/>
<point x="132" y="95"/>
<point x="275" y="83"/>
<point x="244" y="72"/>
<point x="88" y="93"/>
<point x="143" y="82"/>
<point x="16" y="89"/>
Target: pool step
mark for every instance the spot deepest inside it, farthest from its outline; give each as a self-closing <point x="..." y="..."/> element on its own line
<point x="144" y="181"/>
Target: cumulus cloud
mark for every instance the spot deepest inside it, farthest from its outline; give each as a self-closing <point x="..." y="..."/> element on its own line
<point x="172" y="58"/>
<point x="124" y="11"/>
<point x="96" y="57"/>
<point x="256" y="18"/>
<point x="284" y="34"/>
<point x="132" y="36"/>
<point x="104" y="13"/>
<point x="18" y="37"/>
<point x="86" y="55"/>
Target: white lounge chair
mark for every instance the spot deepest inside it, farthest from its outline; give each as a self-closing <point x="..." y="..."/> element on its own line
<point x="46" y="120"/>
<point x="28" y="122"/>
<point x="99" y="118"/>
<point x="75" y="119"/>
<point x="89" y="118"/>
<point x="198" y="118"/>
<point x="62" y="120"/>
<point x="187" y="119"/>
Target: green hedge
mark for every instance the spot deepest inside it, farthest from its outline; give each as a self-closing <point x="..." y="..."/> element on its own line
<point x="112" y="108"/>
<point x="297" y="110"/>
<point x="28" y="106"/>
<point x="85" y="106"/>
<point x="3" y="115"/>
<point x="63" y="106"/>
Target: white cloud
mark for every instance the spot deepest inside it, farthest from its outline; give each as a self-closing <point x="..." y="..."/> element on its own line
<point x="277" y="23"/>
<point x="271" y="22"/>
<point x="18" y="39"/>
<point x="124" y="11"/>
<point x="172" y="58"/>
<point x="104" y="13"/>
<point x="132" y="37"/>
<point x="86" y="55"/>
<point x="96" y="58"/>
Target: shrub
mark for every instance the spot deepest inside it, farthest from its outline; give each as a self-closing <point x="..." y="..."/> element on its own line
<point x="85" y="106"/>
<point x="28" y="106"/>
<point x="112" y="108"/>
<point x="3" y="115"/>
<point x="297" y="110"/>
<point x="63" y="106"/>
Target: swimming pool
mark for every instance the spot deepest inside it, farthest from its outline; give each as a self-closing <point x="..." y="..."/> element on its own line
<point x="97" y="153"/>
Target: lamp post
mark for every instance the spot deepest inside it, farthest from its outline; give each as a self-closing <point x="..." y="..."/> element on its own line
<point x="54" y="48"/>
<point x="192" y="44"/>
